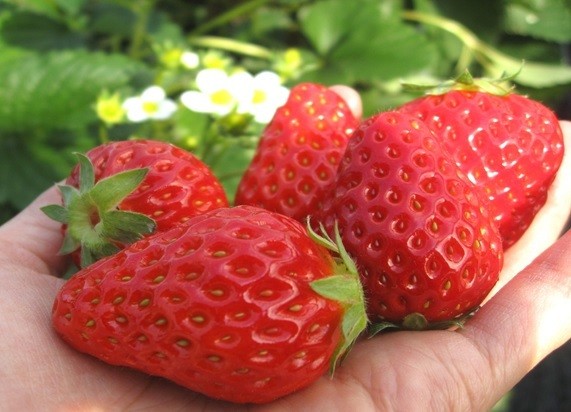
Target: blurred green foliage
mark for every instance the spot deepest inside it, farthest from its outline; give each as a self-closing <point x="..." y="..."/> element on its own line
<point x="57" y="57"/>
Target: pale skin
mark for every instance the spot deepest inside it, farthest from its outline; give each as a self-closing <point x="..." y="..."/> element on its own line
<point x="467" y="370"/>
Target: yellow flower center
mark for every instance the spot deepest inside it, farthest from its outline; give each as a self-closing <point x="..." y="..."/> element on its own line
<point x="259" y="97"/>
<point x="221" y="97"/>
<point x="150" y="107"/>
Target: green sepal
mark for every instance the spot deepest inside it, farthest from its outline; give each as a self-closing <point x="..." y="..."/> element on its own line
<point x="93" y="221"/>
<point x="68" y="193"/>
<point x="126" y="227"/>
<point x="344" y="287"/>
<point x="86" y="173"/>
<point x="417" y="322"/>
<point x="337" y="287"/>
<point x="109" y="192"/>
<point x="56" y="212"/>
<point x="378" y="327"/>
<point x="465" y="81"/>
<point x="69" y="245"/>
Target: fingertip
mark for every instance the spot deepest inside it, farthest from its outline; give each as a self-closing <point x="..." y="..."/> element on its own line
<point x="351" y="97"/>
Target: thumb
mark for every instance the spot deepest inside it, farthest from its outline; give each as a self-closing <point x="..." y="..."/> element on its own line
<point x="31" y="239"/>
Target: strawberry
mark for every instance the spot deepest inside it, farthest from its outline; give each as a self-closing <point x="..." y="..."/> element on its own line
<point x="298" y="153"/>
<point x="123" y="190"/>
<point x="418" y="230"/>
<point x="509" y="145"/>
<point x="240" y="304"/>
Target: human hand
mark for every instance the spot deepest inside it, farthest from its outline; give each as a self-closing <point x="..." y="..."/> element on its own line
<point x="469" y="369"/>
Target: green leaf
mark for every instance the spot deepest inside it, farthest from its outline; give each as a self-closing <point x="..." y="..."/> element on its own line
<point x="109" y="192"/>
<point x="57" y="89"/>
<point x="41" y="7"/>
<point x="368" y="46"/>
<point x="325" y="23"/>
<point x="483" y="18"/>
<point x="545" y="19"/>
<point x="37" y="32"/>
<point x="228" y="158"/>
<point x="112" y="19"/>
<point x="22" y="175"/>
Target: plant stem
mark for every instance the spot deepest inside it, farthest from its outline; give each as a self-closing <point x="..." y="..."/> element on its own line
<point x="484" y="53"/>
<point x="142" y="11"/>
<point x="231" y="45"/>
<point x="228" y="16"/>
<point x="103" y="133"/>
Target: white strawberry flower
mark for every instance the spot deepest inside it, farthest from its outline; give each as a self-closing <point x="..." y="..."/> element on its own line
<point x="218" y="93"/>
<point x="263" y="95"/>
<point x="151" y="104"/>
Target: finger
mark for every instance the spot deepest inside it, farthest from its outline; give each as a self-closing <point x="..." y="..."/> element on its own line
<point x="528" y="318"/>
<point x="549" y="221"/>
<point x="31" y="239"/>
<point x="351" y="97"/>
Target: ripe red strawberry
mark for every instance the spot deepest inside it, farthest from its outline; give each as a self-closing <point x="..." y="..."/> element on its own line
<point x="418" y="230"/>
<point x="122" y="190"/>
<point x="298" y="153"/>
<point x="509" y="145"/>
<point x="238" y="304"/>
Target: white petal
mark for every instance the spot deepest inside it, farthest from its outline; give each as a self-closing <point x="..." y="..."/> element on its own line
<point x="210" y="80"/>
<point x="267" y="79"/>
<point x="202" y="103"/>
<point x="196" y="101"/>
<point x="280" y="96"/>
<point x="153" y="94"/>
<point x="165" y="110"/>
<point x="242" y="88"/>
<point x="131" y="102"/>
<point x="264" y="115"/>
<point x="134" y="109"/>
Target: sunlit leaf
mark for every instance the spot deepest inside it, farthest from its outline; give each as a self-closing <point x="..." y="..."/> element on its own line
<point x="57" y="89"/>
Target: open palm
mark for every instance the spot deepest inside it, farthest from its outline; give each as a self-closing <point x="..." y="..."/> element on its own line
<point x="470" y="369"/>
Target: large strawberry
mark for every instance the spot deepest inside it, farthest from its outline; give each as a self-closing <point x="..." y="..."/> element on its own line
<point x="298" y="153"/>
<point x="239" y="304"/>
<point x="419" y="232"/>
<point x="509" y="145"/>
<point x="123" y="190"/>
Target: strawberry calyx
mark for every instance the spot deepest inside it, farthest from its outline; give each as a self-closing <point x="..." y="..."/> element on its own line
<point x="466" y="82"/>
<point x="344" y="287"/>
<point x="94" y="224"/>
<point x="417" y="321"/>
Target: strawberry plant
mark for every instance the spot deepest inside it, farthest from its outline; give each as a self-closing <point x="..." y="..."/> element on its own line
<point x="240" y="304"/>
